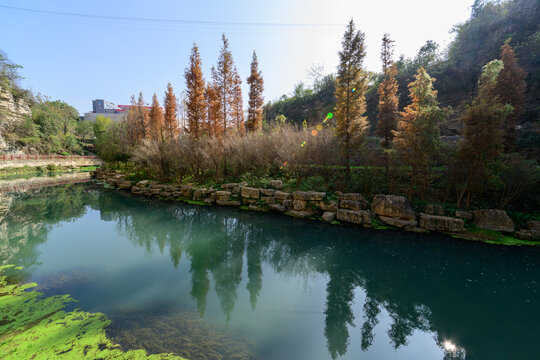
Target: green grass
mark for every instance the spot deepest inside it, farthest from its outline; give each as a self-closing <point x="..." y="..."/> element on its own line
<point x="37" y="327"/>
<point x="88" y="168"/>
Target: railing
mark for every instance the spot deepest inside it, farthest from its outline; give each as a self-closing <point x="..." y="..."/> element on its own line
<point x="47" y="157"/>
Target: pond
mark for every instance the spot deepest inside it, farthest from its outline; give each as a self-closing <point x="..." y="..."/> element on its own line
<point x="221" y="283"/>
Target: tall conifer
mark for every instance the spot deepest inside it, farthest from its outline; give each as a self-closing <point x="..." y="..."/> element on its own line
<point x="196" y="105"/>
<point x="256" y="100"/>
<point x="388" y="100"/>
<point x="511" y="87"/>
<point x="483" y="135"/>
<point x="155" y="125"/>
<point x="237" y="106"/>
<point x="223" y="78"/>
<point x="417" y="138"/>
<point x="351" y="86"/>
<point x="170" y="120"/>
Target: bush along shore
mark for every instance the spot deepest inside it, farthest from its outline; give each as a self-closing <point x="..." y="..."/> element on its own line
<point x="383" y="212"/>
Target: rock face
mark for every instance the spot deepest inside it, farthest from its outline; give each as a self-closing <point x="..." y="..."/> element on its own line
<point x="493" y="219"/>
<point x="11" y="112"/>
<point x="441" y="223"/>
<point x="392" y="206"/>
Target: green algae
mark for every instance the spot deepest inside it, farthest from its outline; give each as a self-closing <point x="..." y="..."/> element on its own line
<point x="36" y="327"/>
<point x="193" y="202"/>
<point x="493" y="237"/>
<point x="378" y="225"/>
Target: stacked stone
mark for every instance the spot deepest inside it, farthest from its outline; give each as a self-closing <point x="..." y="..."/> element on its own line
<point x="392" y="210"/>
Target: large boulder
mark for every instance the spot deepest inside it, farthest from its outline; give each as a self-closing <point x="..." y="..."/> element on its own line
<point x="308" y="195"/>
<point x="223" y="195"/>
<point x="392" y="206"/>
<point x="441" y="223"/>
<point x="329" y="216"/>
<point x="354" y="216"/>
<point x="299" y="205"/>
<point x="267" y="192"/>
<point x="282" y="195"/>
<point x="250" y="193"/>
<point x="351" y="205"/>
<point x="355" y="197"/>
<point x="493" y="219"/>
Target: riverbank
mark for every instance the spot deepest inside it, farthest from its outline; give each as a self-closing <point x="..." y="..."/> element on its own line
<point x="382" y="212"/>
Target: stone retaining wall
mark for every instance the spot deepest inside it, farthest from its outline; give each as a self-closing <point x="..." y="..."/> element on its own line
<point x="392" y="210"/>
<point x="8" y="161"/>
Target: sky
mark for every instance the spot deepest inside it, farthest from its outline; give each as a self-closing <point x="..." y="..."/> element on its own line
<point x="77" y="59"/>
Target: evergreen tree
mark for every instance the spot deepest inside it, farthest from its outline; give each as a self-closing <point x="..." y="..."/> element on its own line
<point x="388" y="100"/>
<point x="223" y="78"/>
<point x="482" y="140"/>
<point x="196" y="104"/>
<point x="156" y="120"/>
<point x="256" y="100"/>
<point x="171" y="122"/>
<point x="351" y="86"/>
<point x="511" y="87"/>
<point x="237" y="110"/>
<point x="417" y="138"/>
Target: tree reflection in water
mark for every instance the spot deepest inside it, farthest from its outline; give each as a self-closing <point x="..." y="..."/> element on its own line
<point x="431" y="284"/>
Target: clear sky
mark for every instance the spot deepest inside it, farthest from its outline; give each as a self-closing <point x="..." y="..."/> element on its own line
<point x="77" y="59"/>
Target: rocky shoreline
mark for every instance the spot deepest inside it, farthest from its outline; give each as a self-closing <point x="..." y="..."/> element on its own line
<point x="384" y="210"/>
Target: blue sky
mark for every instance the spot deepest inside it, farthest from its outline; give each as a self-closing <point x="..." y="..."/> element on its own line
<point x="77" y="59"/>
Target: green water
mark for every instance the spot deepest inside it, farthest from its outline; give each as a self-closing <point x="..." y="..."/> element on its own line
<point x="212" y="282"/>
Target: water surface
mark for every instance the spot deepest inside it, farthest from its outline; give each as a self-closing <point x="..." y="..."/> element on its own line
<point x="214" y="282"/>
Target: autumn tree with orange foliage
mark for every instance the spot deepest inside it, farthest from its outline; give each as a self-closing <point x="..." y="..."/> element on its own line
<point x="510" y="88"/>
<point x="223" y="81"/>
<point x="351" y="84"/>
<point x="196" y="103"/>
<point x="256" y="100"/>
<point x="155" y="124"/>
<point x="417" y="137"/>
<point x="213" y="125"/>
<point x="170" y="119"/>
<point x="137" y="119"/>
<point x="237" y="106"/>
<point x="483" y="135"/>
<point x="388" y="101"/>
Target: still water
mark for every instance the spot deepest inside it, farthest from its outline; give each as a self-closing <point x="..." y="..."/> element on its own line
<point x="222" y="283"/>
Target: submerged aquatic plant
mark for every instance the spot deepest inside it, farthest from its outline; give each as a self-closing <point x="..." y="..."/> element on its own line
<point x="36" y="327"/>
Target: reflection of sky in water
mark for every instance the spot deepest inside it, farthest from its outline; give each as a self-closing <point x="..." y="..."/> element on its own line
<point x="318" y="284"/>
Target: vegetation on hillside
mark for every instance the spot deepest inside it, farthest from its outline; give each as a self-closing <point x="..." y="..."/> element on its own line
<point x="53" y="127"/>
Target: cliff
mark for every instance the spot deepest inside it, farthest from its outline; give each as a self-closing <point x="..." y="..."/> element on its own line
<point x="11" y="112"/>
